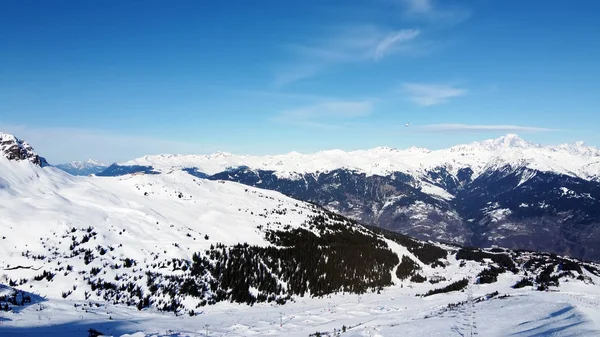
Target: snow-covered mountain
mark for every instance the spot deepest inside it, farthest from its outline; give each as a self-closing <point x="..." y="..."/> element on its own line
<point x="570" y="159"/>
<point x="174" y="242"/>
<point x="13" y="148"/>
<point x="83" y="168"/>
<point x="505" y="191"/>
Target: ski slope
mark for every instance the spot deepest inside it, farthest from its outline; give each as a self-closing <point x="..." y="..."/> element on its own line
<point x="394" y="312"/>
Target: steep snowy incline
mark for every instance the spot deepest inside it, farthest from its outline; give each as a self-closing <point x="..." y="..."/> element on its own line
<point x="46" y="213"/>
<point x="48" y="200"/>
<point x="571" y="159"/>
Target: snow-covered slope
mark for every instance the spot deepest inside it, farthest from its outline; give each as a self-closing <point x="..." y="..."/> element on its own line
<point x="175" y="242"/>
<point x="115" y="254"/>
<point x="466" y="194"/>
<point x="394" y="312"/>
<point x="89" y="234"/>
<point x="78" y="237"/>
<point x="572" y="159"/>
<point x="45" y="211"/>
<point x="83" y="168"/>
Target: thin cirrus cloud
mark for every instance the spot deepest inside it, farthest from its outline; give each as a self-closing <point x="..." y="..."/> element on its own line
<point x="393" y="39"/>
<point x="432" y="11"/>
<point x="478" y="128"/>
<point x="321" y="115"/>
<point x="418" y="6"/>
<point x="431" y="94"/>
<point x="349" y="44"/>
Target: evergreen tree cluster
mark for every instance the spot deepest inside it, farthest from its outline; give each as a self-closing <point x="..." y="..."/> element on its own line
<point x="418" y="278"/>
<point x="522" y="283"/>
<point x="15" y="298"/>
<point x="407" y="268"/>
<point x="346" y="261"/>
<point x="545" y="279"/>
<point x="455" y="286"/>
<point x="45" y="275"/>
<point x="591" y="269"/>
<point x="503" y="260"/>
<point x="545" y="269"/>
<point x="426" y="252"/>
<point x="489" y="275"/>
<point x="324" y="256"/>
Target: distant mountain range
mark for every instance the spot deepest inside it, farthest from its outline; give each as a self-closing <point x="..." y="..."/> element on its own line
<point x="505" y="191"/>
<point x="175" y="242"/>
<point x="83" y="168"/>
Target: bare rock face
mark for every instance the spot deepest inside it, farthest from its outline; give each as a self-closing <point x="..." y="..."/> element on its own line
<point x="15" y="149"/>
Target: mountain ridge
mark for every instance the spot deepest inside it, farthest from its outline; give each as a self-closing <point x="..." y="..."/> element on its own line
<point x="83" y="168"/>
<point x="512" y="197"/>
<point x="176" y="243"/>
<point x="572" y="159"/>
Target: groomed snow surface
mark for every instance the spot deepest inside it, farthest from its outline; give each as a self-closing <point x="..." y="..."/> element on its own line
<point x="574" y="311"/>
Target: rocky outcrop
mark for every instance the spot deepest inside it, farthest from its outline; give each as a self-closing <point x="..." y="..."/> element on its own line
<point x="16" y="149"/>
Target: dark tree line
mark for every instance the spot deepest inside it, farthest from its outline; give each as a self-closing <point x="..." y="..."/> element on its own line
<point x="426" y="252"/>
<point x="326" y="255"/>
<point x="342" y="261"/>
<point x="503" y="260"/>
<point x="455" y="286"/>
<point x="407" y="268"/>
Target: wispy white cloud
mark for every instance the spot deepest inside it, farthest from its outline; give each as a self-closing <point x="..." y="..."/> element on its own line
<point x="393" y="39"/>
<point x="435" y="11"/>
<point x="63" y="144"/>
<point x="348" y="44"/>
<point x="325" y="114"/>
<point x="478" y="128"/>
<point x="372" y="41"/>
<point x="292" y="73"/>
<point x="432" y="94"/>
<point x="419" y="6"/>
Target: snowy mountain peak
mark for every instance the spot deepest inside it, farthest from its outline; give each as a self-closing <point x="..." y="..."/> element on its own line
<point x="572" y="159"/>
<point x="16" y="149"/>
<point x="509" y="141"/>
<point x="512" y="140"/>
<point x="221" y="155"/>
<point x="86" y="164"/>
<point x="83" y="168"/>
<point x="579" y="148"/>
<point x="384" y="149"/>
<point x="417" y="149"/>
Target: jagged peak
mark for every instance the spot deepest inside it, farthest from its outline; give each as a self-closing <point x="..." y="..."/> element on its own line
<point x="509" y="141"/>
<point x="578" y="148"/>
<point x="417" y="149"/>
<point x="15" y="149"/>
<point x="221" y="154"/>
<point x="90" y="162"/>
<point x="85" y="163"/>
<point x="383" y="149"/>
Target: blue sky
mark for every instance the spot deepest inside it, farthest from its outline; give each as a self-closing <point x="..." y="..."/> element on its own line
<point x="114" y="80"/>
